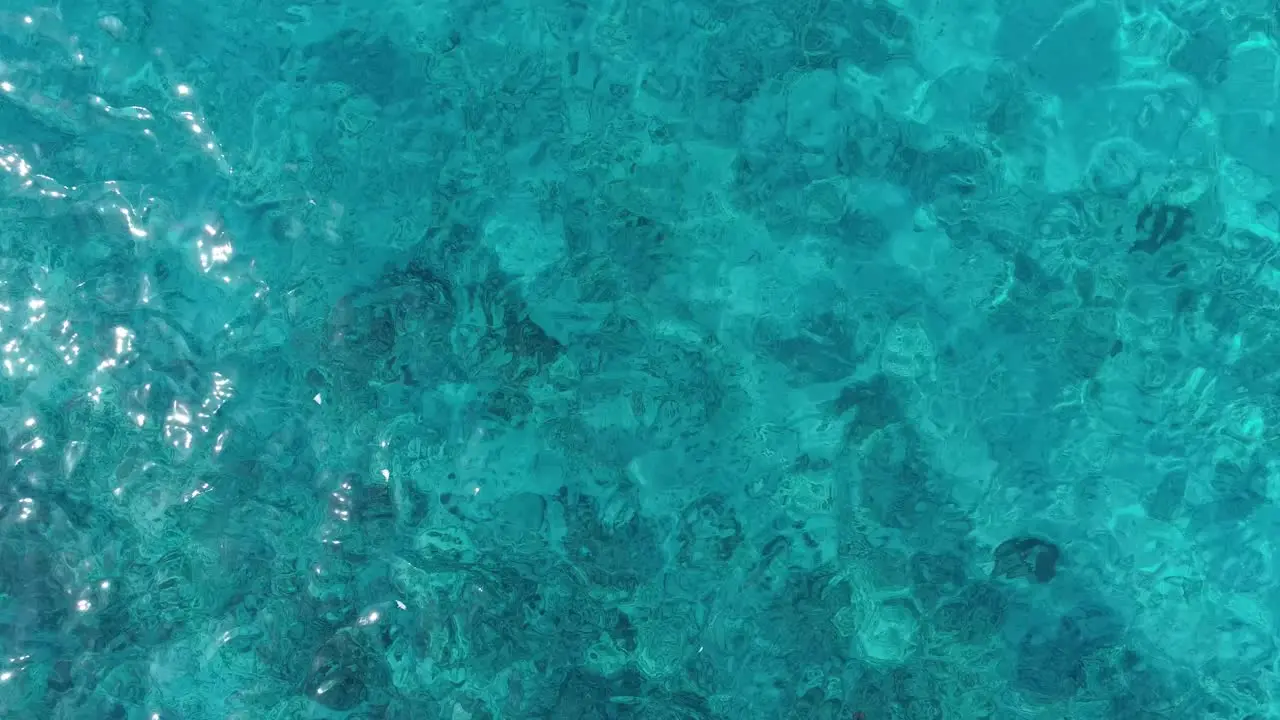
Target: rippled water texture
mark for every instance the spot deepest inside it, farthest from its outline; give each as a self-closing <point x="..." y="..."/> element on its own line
<point x="805" y="361"/>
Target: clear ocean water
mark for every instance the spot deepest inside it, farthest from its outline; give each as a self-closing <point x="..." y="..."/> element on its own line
<point x="612" y="359"/>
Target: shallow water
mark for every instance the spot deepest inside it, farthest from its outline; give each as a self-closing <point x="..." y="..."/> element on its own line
<point x="623" y="360"/>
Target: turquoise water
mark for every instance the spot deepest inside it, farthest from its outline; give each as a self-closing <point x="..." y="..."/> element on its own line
<point x="862" y="360"/>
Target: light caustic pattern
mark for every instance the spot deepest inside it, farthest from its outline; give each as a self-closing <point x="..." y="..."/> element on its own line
<point x="116" y="283"/>
<point x="50" y="293"/>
